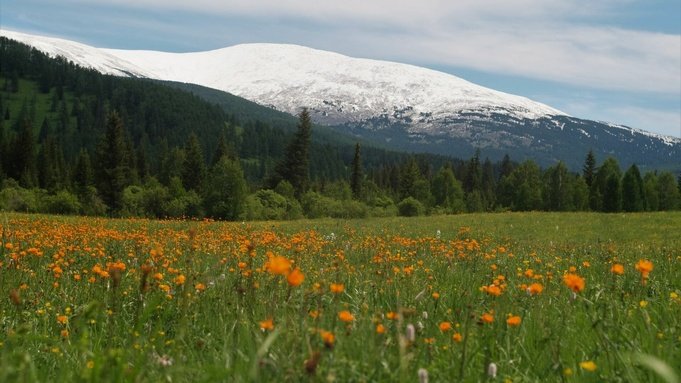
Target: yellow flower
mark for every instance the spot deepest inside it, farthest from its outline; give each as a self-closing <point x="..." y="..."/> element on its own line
<point x="588" y="365"/>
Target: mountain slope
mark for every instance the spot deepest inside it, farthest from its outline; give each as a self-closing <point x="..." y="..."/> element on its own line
<point x="400" y="105"/>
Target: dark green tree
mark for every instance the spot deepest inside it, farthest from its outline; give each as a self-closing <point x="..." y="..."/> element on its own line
<point x="225" y="190"/>
<point x="612" y="194"/>
<point x="409" y="175"/>
<point x="24" y="156"/>
<point x="597" y="192"/>
<point x="112" y="164"/>
<point x="295" y="167"/>
<point x="356" y="177"/>
<point x="194" y="166"/>
<point x="447" y="191"/>
<point x="633" y="193"/>
<point x="473" y="180"/>
<point x="222" y="150"/>
<point x="589" y="168"/>
<point x="83" y="175"/>
<point x="558" y="188"/>
<point x="669" y="196"/>
<point x="651" y="191"/>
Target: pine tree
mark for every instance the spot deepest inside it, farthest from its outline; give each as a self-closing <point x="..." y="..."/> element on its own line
<point x="633" y="193"/>
<point x="447" y="190"/>
<point x="24" y="156"/>
<point x="226" y="190"/>
<point x="356" y="177"/>
<point x="295" y="167"/>
<point x="83" y="176"/>
<point x="221" y="151"/>
<point x="194" y="167"/>
<point x="112" y="163"/>
<point x="598" y="198"/>
<point x="409" y="176"/>
<point x="473" y="180"/>
<point x="589" y="169"/>
<point x="506" y="167"/>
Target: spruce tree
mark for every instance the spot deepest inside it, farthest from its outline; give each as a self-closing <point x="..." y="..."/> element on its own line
<point x="356" y="176"/>
<point x="194" y="167"/>
<point x="589" y="168"/>
<point x="112" y="160"/>
<point x="24" y="156"/>
<point x="295" y="167"/>
<point x="83" y="177"/>
<point x="633" y="193"/>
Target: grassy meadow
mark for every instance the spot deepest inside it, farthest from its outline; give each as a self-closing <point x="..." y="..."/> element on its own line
<point x="513" y="297"/>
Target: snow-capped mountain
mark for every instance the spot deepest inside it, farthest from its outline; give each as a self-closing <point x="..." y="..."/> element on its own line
<point x="406" y="106"/>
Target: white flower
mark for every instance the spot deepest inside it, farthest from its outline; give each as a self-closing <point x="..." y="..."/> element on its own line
<point x="423" y="375"/>
<point x="492" y="370"/>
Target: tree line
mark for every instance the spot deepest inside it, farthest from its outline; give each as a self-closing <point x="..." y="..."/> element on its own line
<point x="129" y="147"/>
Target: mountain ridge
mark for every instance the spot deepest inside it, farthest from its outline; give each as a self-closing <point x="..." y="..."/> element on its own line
<point x="387" y="102"/>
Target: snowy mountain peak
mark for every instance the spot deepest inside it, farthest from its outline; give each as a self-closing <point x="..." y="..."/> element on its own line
<point x="336" y="88"/>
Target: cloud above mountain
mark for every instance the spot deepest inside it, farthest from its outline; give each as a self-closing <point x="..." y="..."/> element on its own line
<point x="566" y="41"/>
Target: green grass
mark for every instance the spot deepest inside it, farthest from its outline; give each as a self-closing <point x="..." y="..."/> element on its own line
<point x="118" y="331"/>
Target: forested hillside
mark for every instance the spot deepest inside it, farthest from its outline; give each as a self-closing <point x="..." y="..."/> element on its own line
<point x="78" y="142"/>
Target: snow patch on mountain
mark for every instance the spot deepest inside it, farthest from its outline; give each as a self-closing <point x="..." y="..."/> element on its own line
<point x="81" y="54"/>
<point x="336" y="88"/>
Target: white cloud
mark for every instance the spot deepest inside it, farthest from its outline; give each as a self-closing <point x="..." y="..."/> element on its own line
<point x="554" y="40"/>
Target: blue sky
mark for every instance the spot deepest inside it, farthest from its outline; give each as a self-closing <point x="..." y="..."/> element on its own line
<point x="610" y="60"/>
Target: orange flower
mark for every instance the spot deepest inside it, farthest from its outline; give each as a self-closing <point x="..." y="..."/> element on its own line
<point x="487" y="318"/>
<point x="158" y="276"/>
<point x="492" y="290"/>
<point x="180" y="279"/>
<point x="337" y="288"/>
<point x="64" y="333"/>
<point x="644" y="267"/>
<point x="295" y="277"/>
<point x="380" y="329"/>
<point x="346" y="316"/>
<point x="436" y="295"/>
<point x="62" y="319"/>
<point x="535" y="289"/>
<point x="457" y="337"/>
<point x="278" y="265"/>
<point x="392" y="315"/>
<point x="617" y="268"/>
<point x="200" y="287"/>
<point x="328" y="338"/>
<point x="574" y="282"/>
<point x="445" y="326"/>
<point x="513" y="321"/>
<point x="267" y="325"/>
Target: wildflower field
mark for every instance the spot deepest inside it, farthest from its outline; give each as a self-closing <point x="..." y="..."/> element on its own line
<point x="500" y="297"/>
